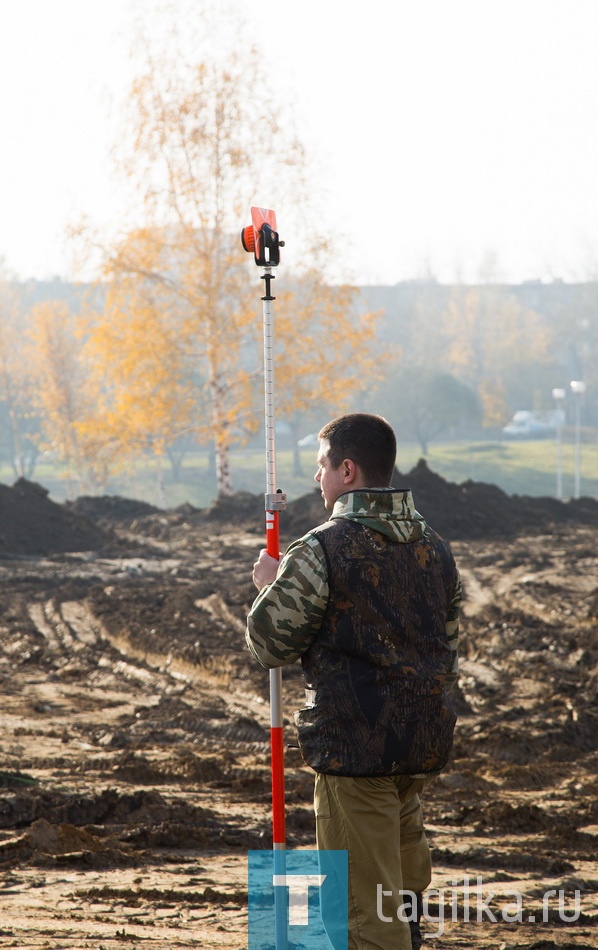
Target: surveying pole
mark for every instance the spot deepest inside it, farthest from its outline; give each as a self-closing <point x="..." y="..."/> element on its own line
<point x="261" y="237"/>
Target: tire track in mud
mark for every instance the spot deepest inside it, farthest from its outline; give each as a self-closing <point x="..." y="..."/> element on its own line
<point x="70" y="628"/>
<point x="71" y="632"/>
<point x="231" y="715"/>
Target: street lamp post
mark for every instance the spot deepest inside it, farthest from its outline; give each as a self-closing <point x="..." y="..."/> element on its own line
<point x="559" y="396"/>
<point x="578" y="388"/>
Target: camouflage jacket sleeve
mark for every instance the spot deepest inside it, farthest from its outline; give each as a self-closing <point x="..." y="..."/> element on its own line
<point x="452" y="631"/>
<point x="287" y="615"/>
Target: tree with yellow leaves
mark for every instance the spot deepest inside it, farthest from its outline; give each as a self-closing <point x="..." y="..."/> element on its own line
<point x="64" y="396"/>
<point x="178" y="345"/>
<point x="140" y="363"/>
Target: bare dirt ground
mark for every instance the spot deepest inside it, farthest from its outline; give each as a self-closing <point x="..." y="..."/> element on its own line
<point x="134" y="749"/>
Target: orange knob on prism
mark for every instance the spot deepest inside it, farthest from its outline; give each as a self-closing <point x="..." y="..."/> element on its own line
<point x="248" y="238"/>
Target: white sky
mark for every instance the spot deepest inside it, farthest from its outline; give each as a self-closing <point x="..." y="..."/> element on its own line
<point x="445" y="131"/>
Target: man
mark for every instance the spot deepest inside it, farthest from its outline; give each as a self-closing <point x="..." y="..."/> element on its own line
<point x="370" y="603"/>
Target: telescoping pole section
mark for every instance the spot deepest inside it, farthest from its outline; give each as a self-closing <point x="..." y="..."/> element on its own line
<point x="274" y="502"/>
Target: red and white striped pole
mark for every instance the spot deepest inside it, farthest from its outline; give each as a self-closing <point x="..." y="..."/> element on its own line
<point x="261" y="237"/>
<point x="275" y="501"/>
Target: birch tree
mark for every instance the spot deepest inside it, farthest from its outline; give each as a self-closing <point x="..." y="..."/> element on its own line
<point x="202" y="135"/>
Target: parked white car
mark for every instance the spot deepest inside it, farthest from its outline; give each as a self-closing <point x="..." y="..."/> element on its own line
<point x="527" y="424"/>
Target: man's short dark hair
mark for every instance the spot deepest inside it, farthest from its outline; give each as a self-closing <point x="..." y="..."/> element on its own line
<point x="367" y="440"/>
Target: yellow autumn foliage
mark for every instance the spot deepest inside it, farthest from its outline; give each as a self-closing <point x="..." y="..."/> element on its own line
<point x="66" y="395"/>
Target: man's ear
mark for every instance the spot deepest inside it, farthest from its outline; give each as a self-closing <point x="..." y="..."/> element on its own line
<point x="349" y="471"/>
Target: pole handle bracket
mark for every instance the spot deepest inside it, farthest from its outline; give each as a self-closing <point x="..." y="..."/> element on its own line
<point x="276" y="501"/>
<point x="268" y="278"/>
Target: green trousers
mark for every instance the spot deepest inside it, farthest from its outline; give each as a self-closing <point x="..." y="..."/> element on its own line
<point x="379" y="822"/>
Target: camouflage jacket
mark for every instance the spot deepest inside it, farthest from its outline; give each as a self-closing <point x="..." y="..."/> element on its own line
<point x="364" y="679"/>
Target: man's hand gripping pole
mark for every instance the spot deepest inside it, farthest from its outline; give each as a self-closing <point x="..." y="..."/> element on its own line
<point x="261" y="237"/>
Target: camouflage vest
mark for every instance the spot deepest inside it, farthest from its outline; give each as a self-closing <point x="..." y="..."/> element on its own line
<point x="376" y="671"/>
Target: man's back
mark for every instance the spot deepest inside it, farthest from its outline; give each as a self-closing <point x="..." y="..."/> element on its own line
<point x="378" y="672"/>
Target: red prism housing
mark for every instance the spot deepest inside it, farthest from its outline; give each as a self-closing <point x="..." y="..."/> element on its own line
<point x="262" y="238"/>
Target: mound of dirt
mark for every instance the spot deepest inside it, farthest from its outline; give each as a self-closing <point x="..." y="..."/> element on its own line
<point x="477" y="509"/>
<point x="110" y="508"/>
<point x="465" y="511"/>
<point x="32" y="524"/>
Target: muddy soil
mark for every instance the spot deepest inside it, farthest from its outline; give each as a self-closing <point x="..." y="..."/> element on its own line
<point x="134" y="757"/>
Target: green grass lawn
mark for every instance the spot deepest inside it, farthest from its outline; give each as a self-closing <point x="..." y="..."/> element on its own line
<point x="522" y="468"/>
<point x="519" y="468"/>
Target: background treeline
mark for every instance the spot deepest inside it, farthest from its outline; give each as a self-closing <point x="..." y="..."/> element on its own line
<point x="97" y="379"/>
<point x="471" y="356"/>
